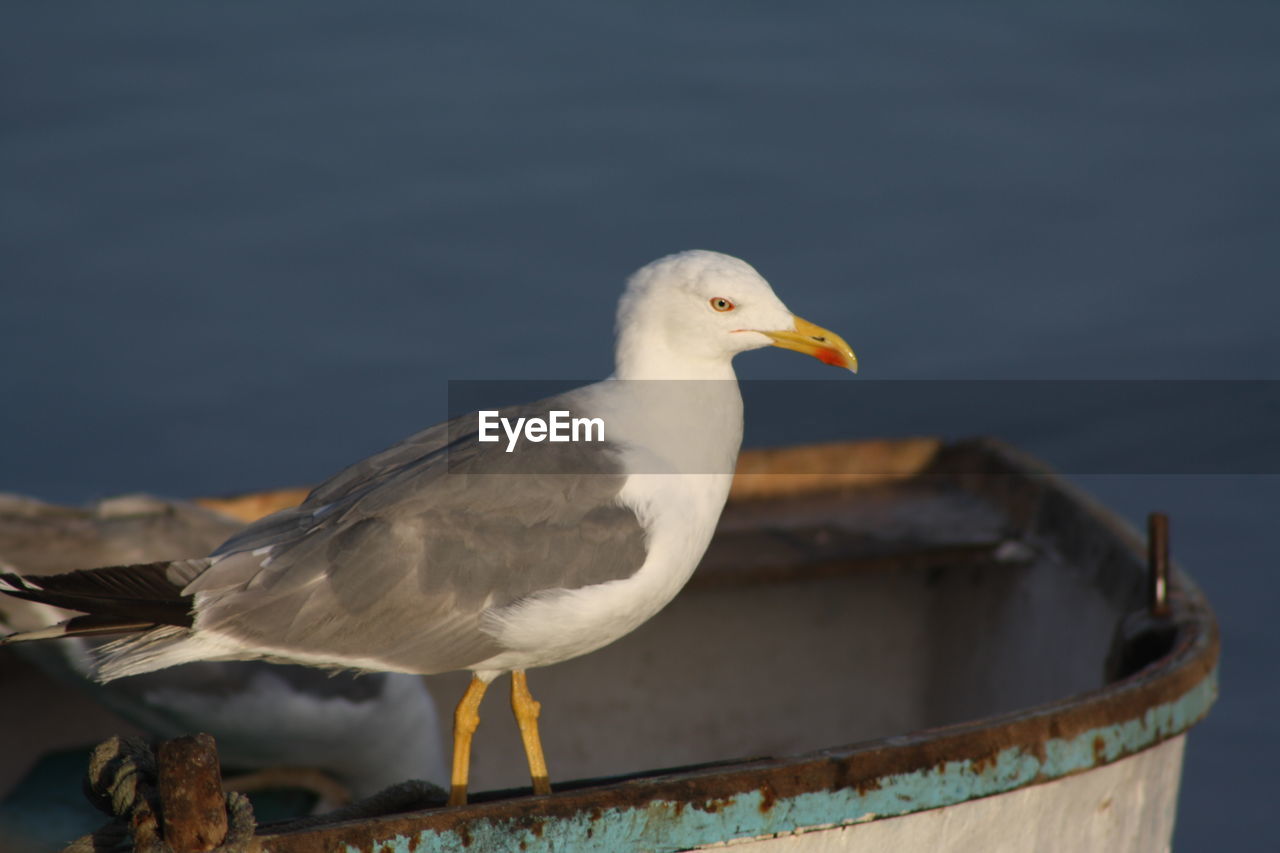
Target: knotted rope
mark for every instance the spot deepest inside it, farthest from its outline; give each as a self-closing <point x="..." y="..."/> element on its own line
<point x="122" y="782"/>
<point x="127" y="782"/>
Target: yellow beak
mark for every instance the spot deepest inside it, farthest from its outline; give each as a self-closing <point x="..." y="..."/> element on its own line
<point x="825" y="346"/>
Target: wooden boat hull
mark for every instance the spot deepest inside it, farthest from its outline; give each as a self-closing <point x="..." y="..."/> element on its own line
<point x="931" y="598"/>
<point x="1127" y="805"/>
<point x="926" y="644"/>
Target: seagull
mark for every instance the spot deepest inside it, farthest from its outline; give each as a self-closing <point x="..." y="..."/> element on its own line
<point x="451" y="552"/>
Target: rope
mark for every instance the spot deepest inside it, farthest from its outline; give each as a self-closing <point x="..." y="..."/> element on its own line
<point x="122" y="783"/>
<point x="413" y="795"/>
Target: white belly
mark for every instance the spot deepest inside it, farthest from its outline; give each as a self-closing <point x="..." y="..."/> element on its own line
<point x="681" y="511"/>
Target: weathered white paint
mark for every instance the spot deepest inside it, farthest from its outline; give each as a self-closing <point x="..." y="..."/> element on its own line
<point x="1125" y="806"/>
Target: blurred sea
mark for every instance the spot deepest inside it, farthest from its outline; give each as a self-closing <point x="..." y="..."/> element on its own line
<point x="245" y="245"/>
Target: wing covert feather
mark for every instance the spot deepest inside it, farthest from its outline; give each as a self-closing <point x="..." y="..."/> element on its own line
<point x="398" y="556"/>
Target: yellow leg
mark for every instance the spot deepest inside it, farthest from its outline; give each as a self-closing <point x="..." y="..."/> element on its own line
<point x="466" y="717"/>
<point x="526" y="709"/>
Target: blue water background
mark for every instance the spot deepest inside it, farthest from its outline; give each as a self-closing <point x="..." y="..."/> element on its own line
<point x="244" y="244"/>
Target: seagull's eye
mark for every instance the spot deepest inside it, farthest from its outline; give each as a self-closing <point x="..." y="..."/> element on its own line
<point x="721" y="304"/>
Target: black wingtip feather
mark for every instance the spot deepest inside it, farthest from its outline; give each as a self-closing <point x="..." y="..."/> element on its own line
<point x="136" y="595"/>
<point x="81" y="626"/>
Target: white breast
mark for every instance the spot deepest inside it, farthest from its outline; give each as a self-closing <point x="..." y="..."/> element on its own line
<point x="695" y="431"/>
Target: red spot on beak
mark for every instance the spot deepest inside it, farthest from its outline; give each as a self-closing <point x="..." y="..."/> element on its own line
<point x="831" y="357"/>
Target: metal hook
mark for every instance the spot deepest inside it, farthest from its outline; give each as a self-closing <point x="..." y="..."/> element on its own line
<point x="1158" y="563"/>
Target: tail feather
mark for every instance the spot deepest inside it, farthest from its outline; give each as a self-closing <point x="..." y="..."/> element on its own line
<point x="160" y="647"/>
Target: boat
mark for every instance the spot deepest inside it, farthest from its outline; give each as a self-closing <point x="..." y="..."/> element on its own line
<point x="902" y="645"/>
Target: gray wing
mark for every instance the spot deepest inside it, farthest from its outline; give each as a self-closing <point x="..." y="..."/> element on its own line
<point x="397" y="557"/>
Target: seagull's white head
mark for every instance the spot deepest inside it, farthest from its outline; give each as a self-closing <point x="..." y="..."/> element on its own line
<point x="703" y="308"/>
